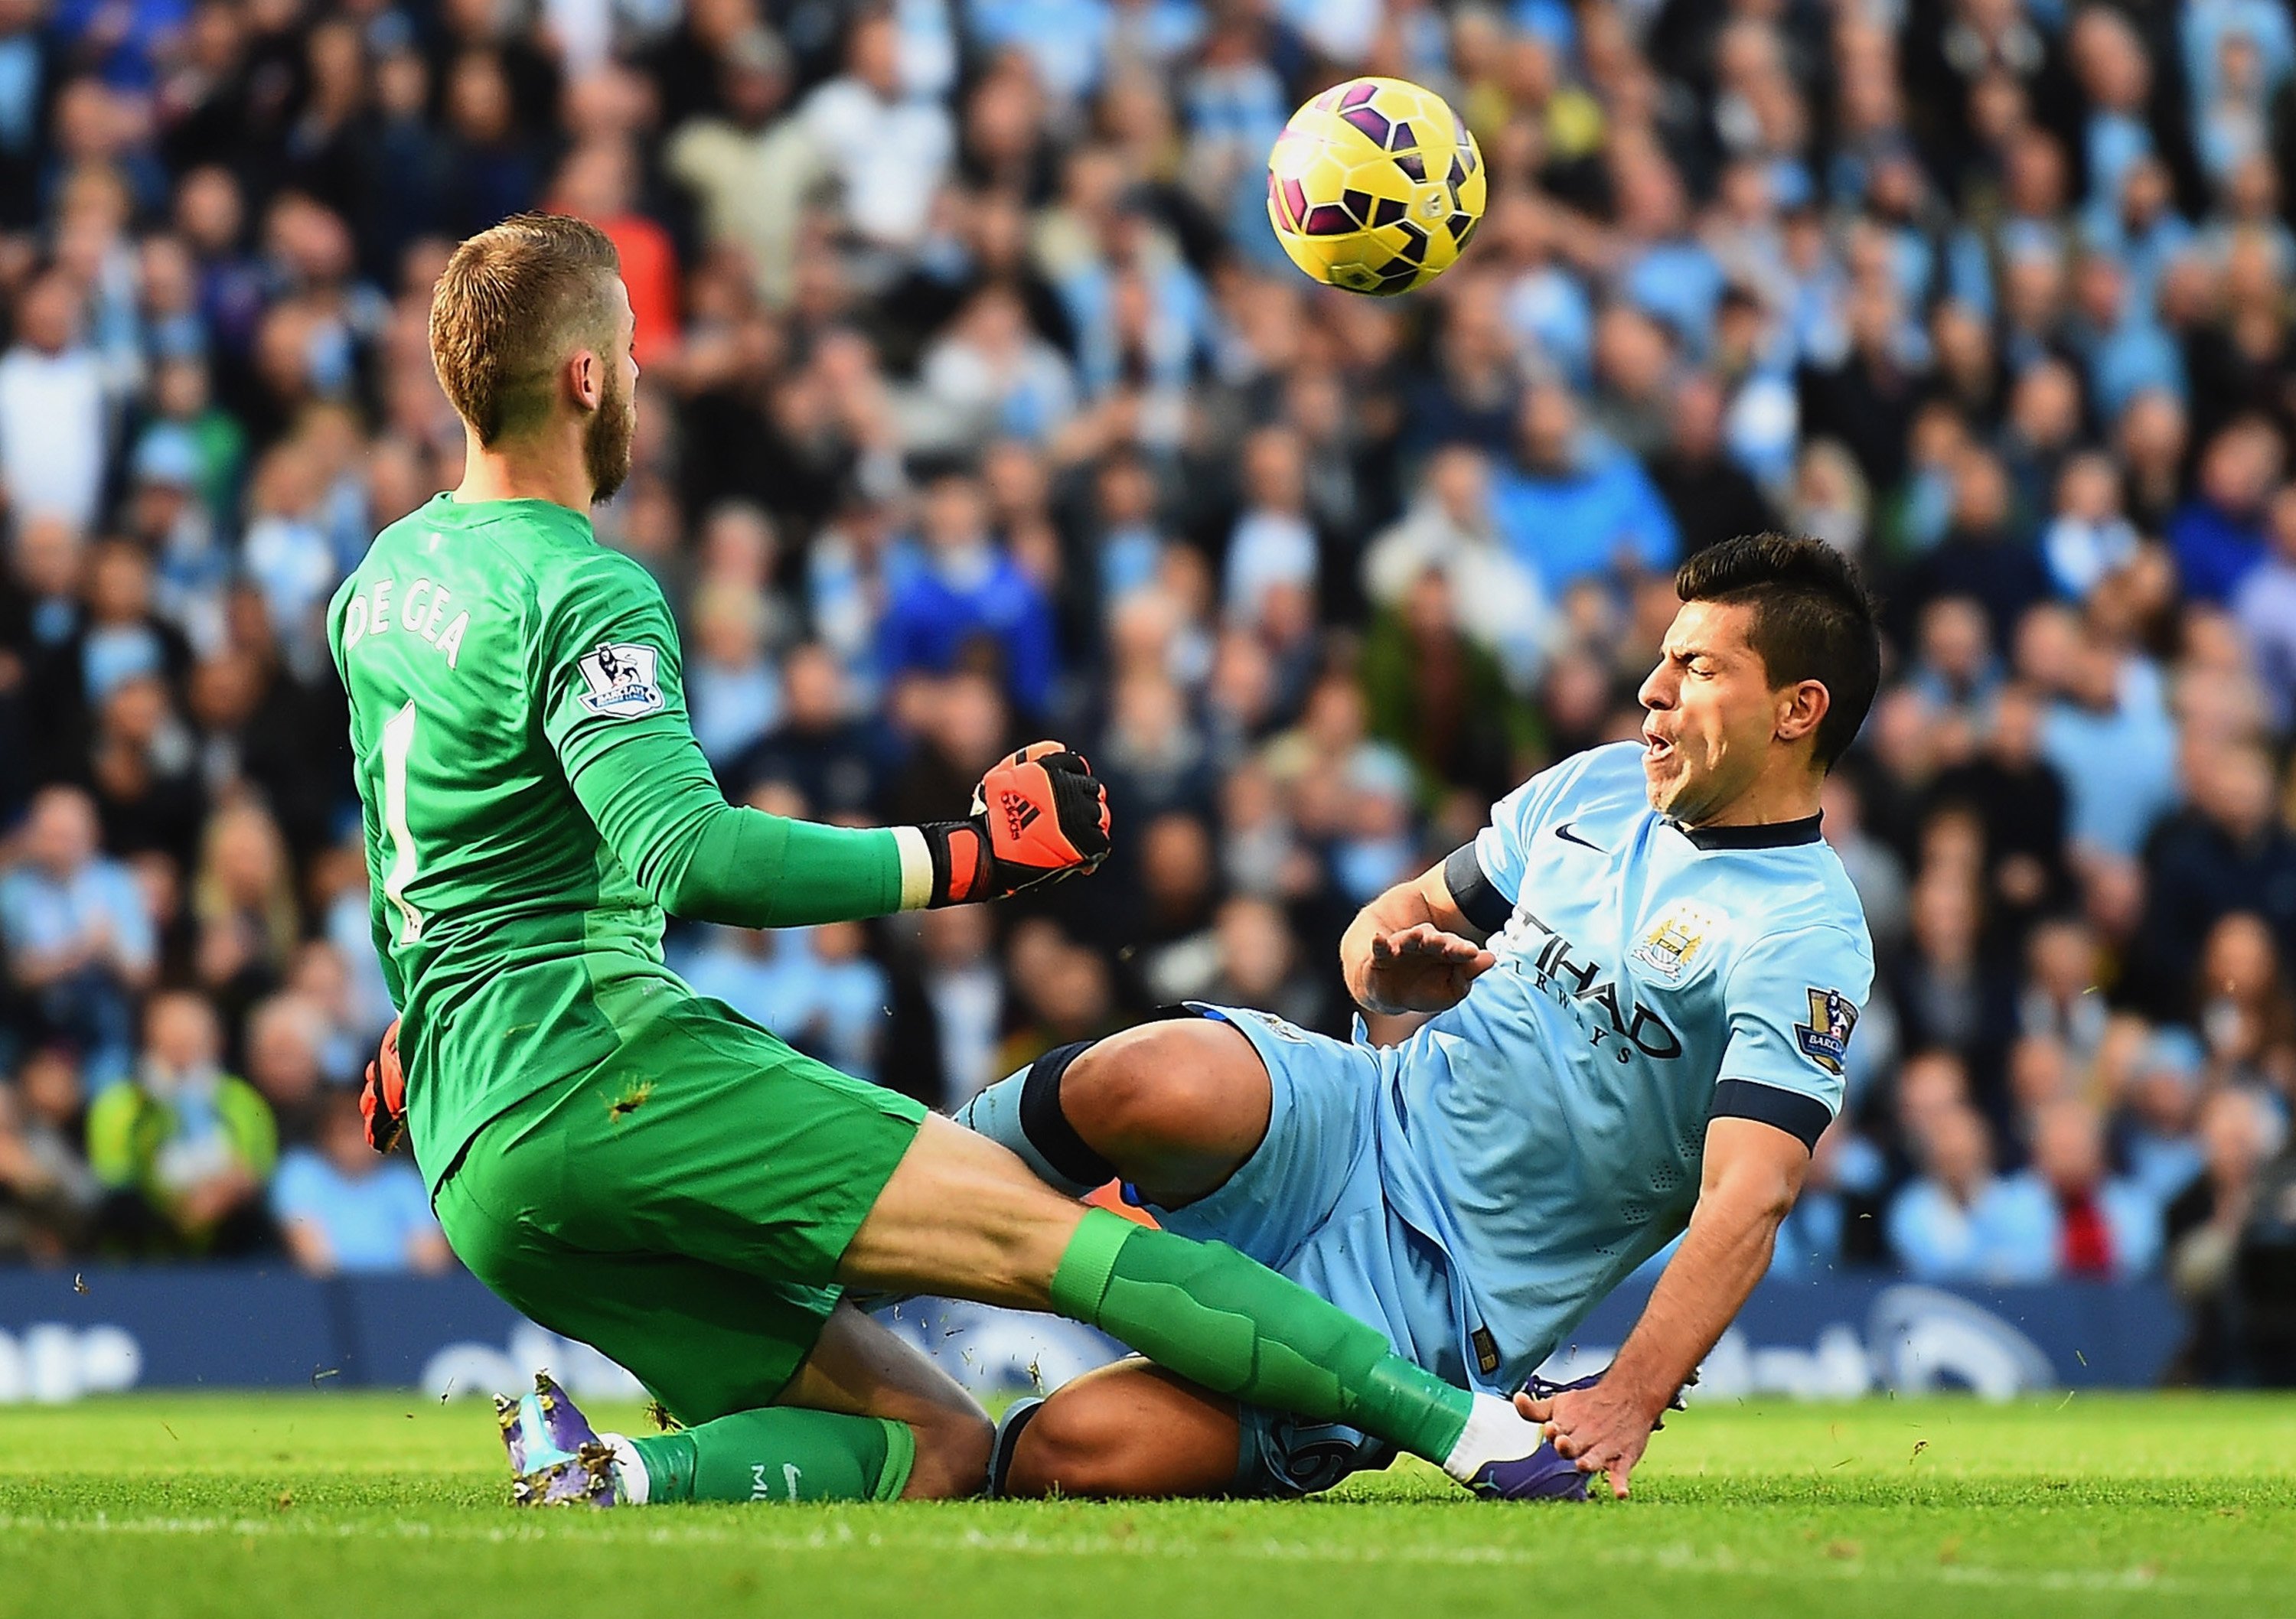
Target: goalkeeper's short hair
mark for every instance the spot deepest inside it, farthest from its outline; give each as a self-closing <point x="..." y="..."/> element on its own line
<point x="513" y="303"/>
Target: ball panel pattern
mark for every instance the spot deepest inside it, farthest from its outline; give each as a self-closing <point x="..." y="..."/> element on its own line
<point x="1375" y="186"/>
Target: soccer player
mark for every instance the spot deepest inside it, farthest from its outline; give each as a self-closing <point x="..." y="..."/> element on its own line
<point x="1643" y="976"/>
<point x="635" y="1167"/>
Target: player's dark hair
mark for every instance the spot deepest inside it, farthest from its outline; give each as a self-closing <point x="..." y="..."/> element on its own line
<point x="1813" y="620"/>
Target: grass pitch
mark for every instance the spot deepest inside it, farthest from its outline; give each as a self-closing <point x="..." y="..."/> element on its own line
<point x="348" y="1505"/>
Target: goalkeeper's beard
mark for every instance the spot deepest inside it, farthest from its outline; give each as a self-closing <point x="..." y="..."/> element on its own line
<point x="607" y="441"/>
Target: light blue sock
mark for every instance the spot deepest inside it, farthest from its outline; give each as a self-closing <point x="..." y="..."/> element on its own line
<point x="995" y="1113"/>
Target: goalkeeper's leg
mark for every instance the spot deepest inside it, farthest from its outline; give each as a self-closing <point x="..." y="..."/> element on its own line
<point x="681" y="1206"/>
<point x="962" y="1216"/>
<point x="867" y="1418"/>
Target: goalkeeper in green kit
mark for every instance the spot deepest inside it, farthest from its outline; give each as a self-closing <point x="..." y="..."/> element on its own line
<point x="640" y="1168"/>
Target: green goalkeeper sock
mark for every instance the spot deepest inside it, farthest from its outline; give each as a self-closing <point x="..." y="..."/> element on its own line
<point x="1230" y="1323"/>
<point x="775" y="1453"/>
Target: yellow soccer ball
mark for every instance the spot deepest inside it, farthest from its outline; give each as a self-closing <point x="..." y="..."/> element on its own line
<point x="1375" y="186"/>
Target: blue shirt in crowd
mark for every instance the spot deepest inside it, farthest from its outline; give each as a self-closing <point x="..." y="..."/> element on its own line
<point x="1566" y="528"/>
<point x="2119" y="768"/>
<point x="368" y="1220"/>
<point x="2008" y="1232"/>
<point x="936" y="612"/>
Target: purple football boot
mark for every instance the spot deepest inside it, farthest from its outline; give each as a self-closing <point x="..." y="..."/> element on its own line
<point x="1503" y="1455"/>
<point x="1545" y="1473"/>
<point x="557" y="1459"/>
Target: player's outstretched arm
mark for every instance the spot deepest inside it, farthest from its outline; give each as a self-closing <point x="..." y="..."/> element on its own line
<point x="611" y="693"/>
<point x="1040" y="814"/>
<point x="1412" y="949"/>
<point x="1753" y="1173"/>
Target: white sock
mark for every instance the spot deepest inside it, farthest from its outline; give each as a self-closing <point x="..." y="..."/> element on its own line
<point x="1495" y="1432"/>
<point x="630" y="1480"/>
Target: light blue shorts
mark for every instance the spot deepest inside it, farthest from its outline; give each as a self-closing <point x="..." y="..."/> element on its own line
<point x="1309" y="1205"/>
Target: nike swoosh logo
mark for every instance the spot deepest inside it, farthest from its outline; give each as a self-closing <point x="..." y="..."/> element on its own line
<point x="1568" y="836"/>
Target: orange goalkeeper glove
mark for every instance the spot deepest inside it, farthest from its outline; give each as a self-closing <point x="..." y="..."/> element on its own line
<point x="1037" y="815"/>
<point x="382" y="1099"/>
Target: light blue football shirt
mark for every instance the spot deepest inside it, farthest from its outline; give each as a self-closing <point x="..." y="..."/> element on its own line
<point x="1546" y="1132"/>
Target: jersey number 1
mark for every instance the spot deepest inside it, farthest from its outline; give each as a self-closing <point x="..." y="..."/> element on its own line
<point x="398" y="739"/>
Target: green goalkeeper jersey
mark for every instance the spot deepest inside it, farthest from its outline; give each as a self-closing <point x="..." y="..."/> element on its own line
<point x="534" y="801"/>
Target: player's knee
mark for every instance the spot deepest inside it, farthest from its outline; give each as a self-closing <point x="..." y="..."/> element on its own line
<point x="1076" y="1448"/>
<point x="952" y="1450"/>
<point x="1165" y="1084"/>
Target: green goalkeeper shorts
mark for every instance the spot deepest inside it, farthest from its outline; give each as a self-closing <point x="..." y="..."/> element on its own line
<point x="682" y="1206"/>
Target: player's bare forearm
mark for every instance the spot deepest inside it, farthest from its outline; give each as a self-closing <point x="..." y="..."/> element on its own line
<point x="1412" y="950"/>
<point x="1753" y="1173"/>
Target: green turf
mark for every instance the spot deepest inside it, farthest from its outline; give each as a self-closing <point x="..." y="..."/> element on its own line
<point x="347" y="1505"/>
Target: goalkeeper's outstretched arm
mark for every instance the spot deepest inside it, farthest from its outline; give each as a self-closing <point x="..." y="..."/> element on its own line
<point x="632" y="760"/>
<point x="1039" y="815"/>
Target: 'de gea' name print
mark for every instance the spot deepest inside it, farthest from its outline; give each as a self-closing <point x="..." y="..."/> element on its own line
<point x="424" y="609"/>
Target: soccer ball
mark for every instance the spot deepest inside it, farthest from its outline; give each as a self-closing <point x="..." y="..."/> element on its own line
<point x="1375" y="186"/>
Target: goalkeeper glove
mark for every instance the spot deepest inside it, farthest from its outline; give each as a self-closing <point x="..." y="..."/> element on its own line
<point x="382" y="1099"/>
<point x="1037" y="815"/>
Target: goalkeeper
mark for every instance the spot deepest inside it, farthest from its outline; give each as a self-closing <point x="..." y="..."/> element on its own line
<point x="635" y="1166"/>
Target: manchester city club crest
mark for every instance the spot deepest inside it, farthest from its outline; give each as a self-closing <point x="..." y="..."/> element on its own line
<point x="1675" y="938"/>
<point x="1825" y="1039"/>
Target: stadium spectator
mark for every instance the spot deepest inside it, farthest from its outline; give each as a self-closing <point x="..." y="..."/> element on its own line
<point x="1274" y="544"/>
<point x="2218" y="534"/>
<point x="732" y="691"/>
<point x="2240" y="1002"/>
<point x="79" y="943"/>
<point x="2110" y="737"/>
<point x="1064" y="992"/>
<point x="829" y="757"/>
<point x="2238" y="1132"/>
<point x="2105" y="1226"/>
<point x="184" y="1151"/>
<point x="965" y="598"/>
<point x="2061" y="998"/>
<point x="2227" y="851"/>
<point x="948" y="1005"/>
<point x="55" y="414"/>
<point x="1960" y="1222"/>
<point x="2019" y="801"/>
<point x="1951" y="992"/>
<point x="1874" y="869"/>
<point x="887" y="145"/>
<point x="340" y="1208"/>
<point x="2153" y="1137"/>
<point x="1441" y="701"/>
<point x="48" y="1194"/>
<point x="1833" y="1226"/>
<point x="1712" y="497"/>
<point x="749" y="168"/>
<point x="284" y="1047"/>
<point x="1499" y="603"/>
<point x="1571" y="506"/>
<point x="2266" y="607"/>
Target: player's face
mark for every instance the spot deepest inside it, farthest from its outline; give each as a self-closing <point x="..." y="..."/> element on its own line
<point x="612" y="429"/>
<point x="1711" y="715"/>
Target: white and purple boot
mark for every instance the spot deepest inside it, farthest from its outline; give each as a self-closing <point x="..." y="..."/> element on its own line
<point x="556" y="1457"/>
<point x="1504" y="1456"/>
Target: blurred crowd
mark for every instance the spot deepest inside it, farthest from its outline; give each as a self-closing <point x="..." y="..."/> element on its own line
<point x="979" y="404"/>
